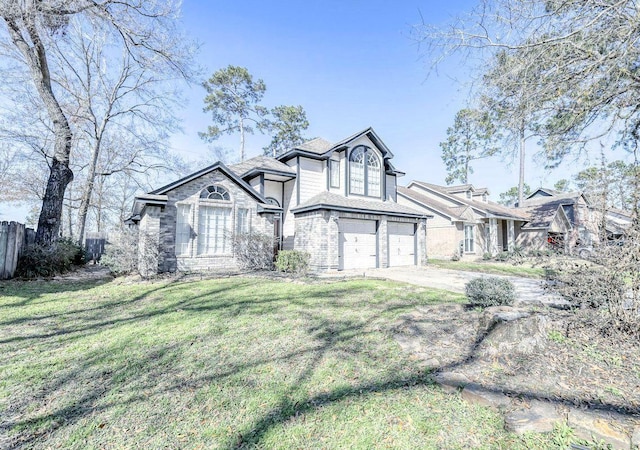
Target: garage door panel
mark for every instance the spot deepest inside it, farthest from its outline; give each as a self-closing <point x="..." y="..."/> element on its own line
<point x="358" y="244"/>
<point x="402" y="241"/>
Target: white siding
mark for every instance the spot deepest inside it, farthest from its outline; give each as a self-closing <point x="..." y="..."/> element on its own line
<point x="312" y="178"/>
<point x="273" y="189"/>
<point x="391" y="188"/>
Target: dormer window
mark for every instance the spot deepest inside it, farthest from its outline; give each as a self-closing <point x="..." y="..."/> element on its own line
<point x="364" y="172"/>
<point x="469" y="194"/>
<point x="484" y="198"/>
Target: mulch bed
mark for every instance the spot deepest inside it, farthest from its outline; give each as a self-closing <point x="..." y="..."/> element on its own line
<point x="555" y="355"/>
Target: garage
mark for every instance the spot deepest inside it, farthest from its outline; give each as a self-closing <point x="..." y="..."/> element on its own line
<point x="358" y="249"/>
<point x="402" y="244"/>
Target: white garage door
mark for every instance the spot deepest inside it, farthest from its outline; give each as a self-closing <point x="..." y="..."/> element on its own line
<point x="402" y="247"/>
<point x="357" y="244"/>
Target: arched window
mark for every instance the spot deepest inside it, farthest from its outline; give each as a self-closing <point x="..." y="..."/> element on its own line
<point x="215" y="192"/>
<point x="272" y="201"/>
<point x="364" y="172"/>
<point x="214" y="222"/>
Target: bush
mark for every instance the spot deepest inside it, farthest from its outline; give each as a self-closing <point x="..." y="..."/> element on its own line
<point x="490" y="291"/>
<point x="254" y="251"/>
<point x="121" y="253"/>
<point x="46" y="260"/>
<point x="607" y="287"/>
<point x="293" y="261"/>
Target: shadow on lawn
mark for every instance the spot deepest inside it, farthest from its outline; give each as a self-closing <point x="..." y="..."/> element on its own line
<point x="139" y="375"/>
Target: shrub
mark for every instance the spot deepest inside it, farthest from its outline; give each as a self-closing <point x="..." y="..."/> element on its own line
<point x="293" y="261"/>
<point x="121" y="252"/>
<point x="254" y="251"/>
<point x="486" y="256"/>
<point x="46" y="260"/>
<point x="502" y="256"/>
<point x="607" y="286"/>
<point x="490" y="291"/>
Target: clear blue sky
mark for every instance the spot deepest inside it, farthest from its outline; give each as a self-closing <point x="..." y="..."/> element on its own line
<point x="351" y="65"/>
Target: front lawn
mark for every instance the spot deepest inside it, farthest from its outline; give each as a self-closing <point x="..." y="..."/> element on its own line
<point x="491" y="267"/>
<point x="239" y="362"/>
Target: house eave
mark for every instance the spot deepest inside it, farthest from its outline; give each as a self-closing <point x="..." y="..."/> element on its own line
<point x="330" y="207"/>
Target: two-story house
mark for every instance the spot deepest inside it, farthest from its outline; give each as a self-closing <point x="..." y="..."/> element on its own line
<point x="337" y="201"/>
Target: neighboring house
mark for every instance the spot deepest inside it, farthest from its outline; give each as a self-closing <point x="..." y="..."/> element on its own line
<point x="560" y="219"/>
<point x="465" y="222"/>
<point x="336" y="201"/>
<point x="617" y="222"/>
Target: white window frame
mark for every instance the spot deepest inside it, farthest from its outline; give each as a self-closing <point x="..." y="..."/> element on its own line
<point x="469" y="238"/>
<point x="216" y="200"/>
<point x="242" y="221"/>
<point x="365" y="173"/>
<point x="183" y="229"/>
<point x="334" y="173"/>
<point x="219" y="243"/>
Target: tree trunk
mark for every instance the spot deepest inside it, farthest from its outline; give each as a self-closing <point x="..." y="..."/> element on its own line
<point x="88" y="189"/>
<point x="241" y="140"/>
<point x="60" y="174"/>
<point x="521" y="177"/>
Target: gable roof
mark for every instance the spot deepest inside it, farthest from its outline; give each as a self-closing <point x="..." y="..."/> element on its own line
<point x="217" y="166"/>
<point x="458" y="188"/>
<point x="489" y="208"/>
<point x="328" y="200"/>
<point x="260" y="164"/>
<point x="317" y="145"/>
<point x="453" y="213"/>
<point x="549" y="195"/>
<point x="544" y="215"/>
<point x="322" y="149"/>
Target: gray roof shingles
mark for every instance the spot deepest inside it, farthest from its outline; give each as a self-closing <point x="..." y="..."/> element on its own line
<point x="328" y="200"/>
<point x="490" y="208"/>
<point x="261" y="163"/>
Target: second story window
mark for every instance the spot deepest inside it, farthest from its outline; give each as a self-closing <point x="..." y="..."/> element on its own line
<point x="334" y="173"/>
<point x="364" y="172"/>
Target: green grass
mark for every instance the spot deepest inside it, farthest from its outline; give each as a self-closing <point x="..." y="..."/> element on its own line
<point x="233" y="363"/>
<point x="492" y="267"/>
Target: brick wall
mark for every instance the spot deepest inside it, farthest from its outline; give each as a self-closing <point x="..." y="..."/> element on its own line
<point x="163" y="222"/>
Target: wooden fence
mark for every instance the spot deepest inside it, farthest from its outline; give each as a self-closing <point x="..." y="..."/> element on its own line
<point x="13" y="238"/>
<point x="94" y="245"/>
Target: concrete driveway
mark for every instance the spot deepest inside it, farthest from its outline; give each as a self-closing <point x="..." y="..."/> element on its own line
<point x="528" y="290"/>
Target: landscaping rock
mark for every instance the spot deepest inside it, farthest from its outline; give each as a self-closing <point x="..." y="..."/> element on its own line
<point x="591" y="425"/>
<point x="476" y="394"/>
<point x="536" y="417"/>
<point x="524" y="336"/>
<point x="451" y="381"/>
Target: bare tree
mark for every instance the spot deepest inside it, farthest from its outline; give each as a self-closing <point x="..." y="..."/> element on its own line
<point x="33" y="27"/>
<point x="582" y="57"/>
<point x="111" y="102"/>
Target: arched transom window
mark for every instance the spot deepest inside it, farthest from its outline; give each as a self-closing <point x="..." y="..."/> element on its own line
<point x="215" y="192"/>
<point x="214" y="222"/>
<point x="364" y="172"/>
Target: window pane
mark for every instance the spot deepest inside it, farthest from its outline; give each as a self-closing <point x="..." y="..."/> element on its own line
<point x="334" y="173"/>
<point x="468" y="239"/>
<point x="356" y="172"/>
<point x="183" y="229"/>
<point x="213" y="230"/>
<point x="242" y="221"/>
<point x="373" y="175"/>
